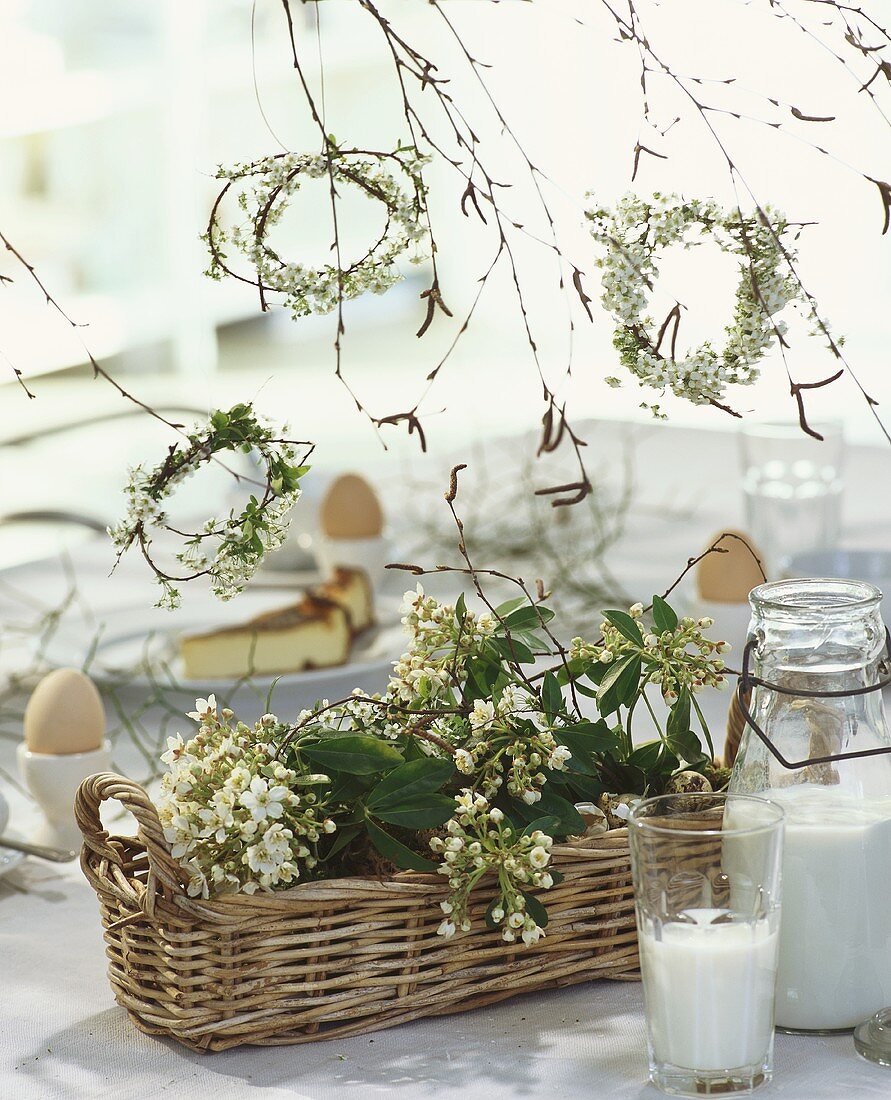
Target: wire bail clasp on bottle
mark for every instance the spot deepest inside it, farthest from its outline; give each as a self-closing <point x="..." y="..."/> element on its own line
<point x="747" y="681"/>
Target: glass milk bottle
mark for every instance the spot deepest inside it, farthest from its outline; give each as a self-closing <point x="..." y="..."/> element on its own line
<point x="814" y="646"/>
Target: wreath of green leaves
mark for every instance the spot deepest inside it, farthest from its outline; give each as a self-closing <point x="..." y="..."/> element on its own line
<point x="633" y="233"/>
<point x="227" y="551"/>
<point x="269" y="185"/>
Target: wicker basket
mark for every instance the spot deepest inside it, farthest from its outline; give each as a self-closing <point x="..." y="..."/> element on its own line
<point x="324" y="960"/>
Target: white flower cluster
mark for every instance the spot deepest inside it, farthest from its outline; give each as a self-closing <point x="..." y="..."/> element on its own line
<point x="632" y="234"/>
<point x="480" y="842"/>
<point x="438" y="648"/>
<point x="508" y="737"/>
<point x="242" y="545"/>
<point x="229" y="811"/>
<point x="271" y="184"/>
<point x="673" y="659"/>
<point x="511" y="734"/>
<point x="502" y="741"/>
<point x="228" y="552"/>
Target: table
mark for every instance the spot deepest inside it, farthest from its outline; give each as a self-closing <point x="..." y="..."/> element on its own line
<point x="62" y="1036"/>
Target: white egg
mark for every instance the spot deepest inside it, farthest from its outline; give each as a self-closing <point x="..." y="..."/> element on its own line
<point x="64" y="714"/>
<point x="351" y="509"/>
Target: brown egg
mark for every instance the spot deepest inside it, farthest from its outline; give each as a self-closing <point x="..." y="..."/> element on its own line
<point x="64" y="714"/>
<point x="351" y="509"/>
<point x="729" y="577"/>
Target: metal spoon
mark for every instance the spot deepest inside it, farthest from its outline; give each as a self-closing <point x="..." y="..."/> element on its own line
<point x="55" y="855"/>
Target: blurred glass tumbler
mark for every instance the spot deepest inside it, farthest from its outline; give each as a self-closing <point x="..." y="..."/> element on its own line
<point x="707" y="885"/>
<point x="792" y="485"/>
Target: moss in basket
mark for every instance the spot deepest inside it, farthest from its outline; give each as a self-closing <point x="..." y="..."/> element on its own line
<point x="469" y="765"/>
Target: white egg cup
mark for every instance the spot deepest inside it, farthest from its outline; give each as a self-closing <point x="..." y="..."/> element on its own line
<point x="368" y="554"/>
<point x="53" y="780"/>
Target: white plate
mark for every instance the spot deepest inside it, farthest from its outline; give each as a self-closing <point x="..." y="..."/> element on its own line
<point x="873" y="566"/>
<point x="132" y="646"/>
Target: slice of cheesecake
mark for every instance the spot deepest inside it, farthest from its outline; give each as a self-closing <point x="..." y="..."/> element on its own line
<point x="314" y="633"/>
<point x="351" y="590"/>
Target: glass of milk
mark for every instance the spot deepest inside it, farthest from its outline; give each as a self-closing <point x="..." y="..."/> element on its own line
<point x="825" y="637"/>
<point x="792" y="485"/>
<point x="707" y="887"/>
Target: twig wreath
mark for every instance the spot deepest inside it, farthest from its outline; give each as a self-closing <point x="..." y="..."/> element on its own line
<point x="226" y="551"/>
<point x="269" y="186"/>
<point x="633" y="233"/>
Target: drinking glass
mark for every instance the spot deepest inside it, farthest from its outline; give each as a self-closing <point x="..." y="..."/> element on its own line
<point x="706" y="873"/>
<point x="792" y="485"/>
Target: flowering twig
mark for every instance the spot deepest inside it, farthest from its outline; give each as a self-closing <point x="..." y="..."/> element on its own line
<point x="241" y="541"/>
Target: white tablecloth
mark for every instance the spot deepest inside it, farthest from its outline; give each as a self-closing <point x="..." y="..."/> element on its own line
<point x="61" y="1035"/>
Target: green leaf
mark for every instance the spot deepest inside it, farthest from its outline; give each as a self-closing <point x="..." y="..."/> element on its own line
<point x="355" y="816"/>
<point x="588" y="742"/>
<point x="504" y="609"/>
<point x="357" y="754"/>
<point x="581" y="763"/>
<point x="679" y="735"/>
<point x="413" y="778"/>
<point x="583" y="689"/>
<point x="395" y="851"/>
<point x="512" y="649"/>
<point x="686" y="745"/>
<point x="482" y="675"/>
<point x="597" y="671"/>
<point x="413" y="750"/>
<point x="535" y="640"/>
<point x="625" y="625"/>
<point x="614" y="671"/>
<point x="536" y="910"/>
<point x="551" y="695"/>
<point x="424" y="811"/>
<point x="527" y="617"/>
<point x="585" y="788"/>
<point x="461" y="608"/>
<point x="664" y="617"/>
<point x="679" y="715"/>
<point x="618" y="776"/>
<point x="569" y="820"/>
<point x="620" y="684"/>
<point x="571" y="670"/>
<point x="341" y="840"/>
<point x="597" y="737"/>
<point x="654" y="759"/>
<point x="546" y="824"/>
<point x="348" y="788"/>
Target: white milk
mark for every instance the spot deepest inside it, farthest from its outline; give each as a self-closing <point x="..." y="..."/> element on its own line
<point x="835" y="931"/>
<point x="709" y="991"/>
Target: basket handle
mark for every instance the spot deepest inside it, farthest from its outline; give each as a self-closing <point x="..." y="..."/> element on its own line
<point x="95" y="790"/>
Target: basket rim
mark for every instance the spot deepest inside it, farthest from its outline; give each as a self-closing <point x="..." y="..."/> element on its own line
<point x="168" y="873"/>
<point x="408" y="883"/>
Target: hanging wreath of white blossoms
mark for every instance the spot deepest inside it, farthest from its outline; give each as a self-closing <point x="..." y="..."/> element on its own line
<point x="270" y="185"/>
<point x="226" y="551"/>
<point x="632" y="234"/>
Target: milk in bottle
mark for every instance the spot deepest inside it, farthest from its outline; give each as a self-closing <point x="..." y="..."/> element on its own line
<point x="818" y="636"/>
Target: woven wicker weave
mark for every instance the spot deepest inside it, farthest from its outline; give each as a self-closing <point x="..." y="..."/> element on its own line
<point x="736" y="726"/>
<point x="324" y="960"/>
